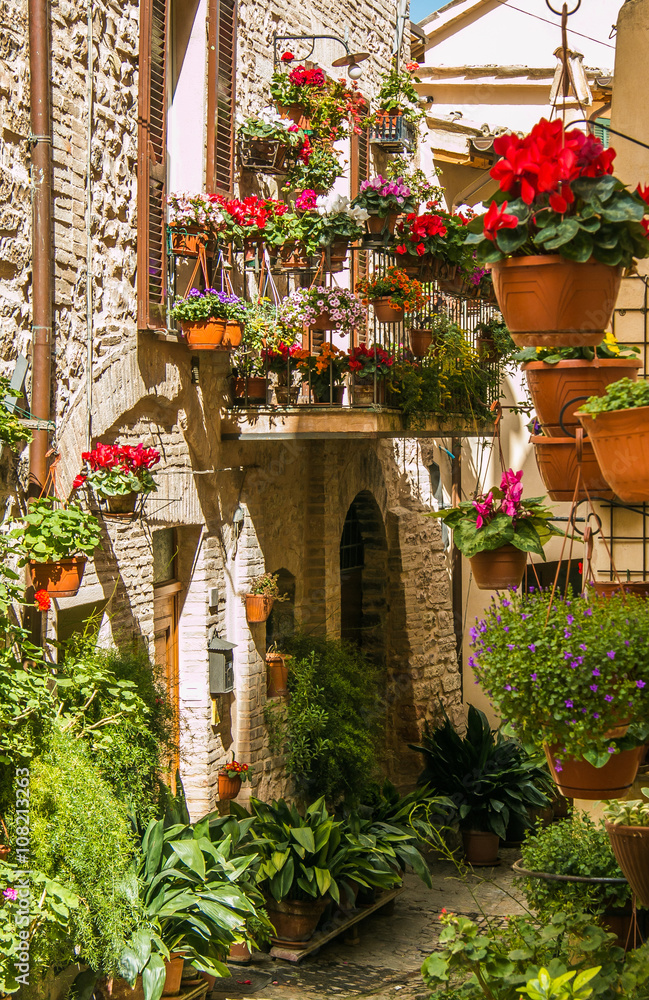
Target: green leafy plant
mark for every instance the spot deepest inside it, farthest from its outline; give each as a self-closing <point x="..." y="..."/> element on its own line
<point x="622" y="395"/>
<point x="566" y="670"/>
<point x="48" y="533"/>
<point x="420" y="187"/>
<point x="570" y="984"/>
<point x="403" y="292"/>
<point x="609" y="349"/>
<point x="12" y="432"/>
<point x="500" y="517"/>
<point x="577" y="847"/>
<point x="330" y="728"/>
<point x="200" y="306"/>
<point x="267" y="585"/>
<point x="628" y="812"/>
<point x="491" y="780"/>
<point x="398" y="92"/>
<point x="319" y="170"/>
<point x="496" y="331"/>
<point x="382" y="196"/>
<point x="268" y="126"/>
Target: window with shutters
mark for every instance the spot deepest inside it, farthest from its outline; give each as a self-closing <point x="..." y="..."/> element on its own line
<point x="359" y="171"/>
<point x="221" y="95"/>
<point x="601" y="131"/>
<point x="152" y="140"/>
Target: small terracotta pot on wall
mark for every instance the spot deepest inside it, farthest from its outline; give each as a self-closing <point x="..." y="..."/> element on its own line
<point x="546" y="300"/>
<point x="258" y="607"/>
<point x="277" y="674"/>
<point x="638" y="587"/>
<point x="620" y="439"/>
<point x="294" y="113"/>
<point x="499" y="569"/>
<point x="61" y="579"/>
<point x="552" y="388"/>
<point x="229" y="788"/>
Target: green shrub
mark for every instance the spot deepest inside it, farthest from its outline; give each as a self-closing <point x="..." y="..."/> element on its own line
<point x="574" y="846"/>
<point x="331" y="726"/>
<point x="81" y="836"/>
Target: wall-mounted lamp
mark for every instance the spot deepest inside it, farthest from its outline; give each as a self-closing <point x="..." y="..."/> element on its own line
<point x="351" y="59"/>
<point x="221" y="669"/>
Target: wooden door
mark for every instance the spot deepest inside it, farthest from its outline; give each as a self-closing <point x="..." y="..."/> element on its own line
<point x="165" y="625"/>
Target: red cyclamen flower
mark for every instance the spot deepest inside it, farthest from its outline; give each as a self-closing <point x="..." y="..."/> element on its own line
<point x="496" y="218"/>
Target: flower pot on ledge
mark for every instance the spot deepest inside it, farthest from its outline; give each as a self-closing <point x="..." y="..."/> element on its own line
<point x="204" y="335"/>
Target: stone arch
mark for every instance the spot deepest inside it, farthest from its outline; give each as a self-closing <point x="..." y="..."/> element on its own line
<point x="364" y="577"/>
<point x="281" y="621"/>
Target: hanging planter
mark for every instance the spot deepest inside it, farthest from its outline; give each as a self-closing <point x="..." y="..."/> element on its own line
<point x="627" y="825"/>
<point x="258" y="607"/>
<point x="119" y="476"/>
<point x="293" y="257"/>
<point x="60" y="578"/>
<point x="336" y="256"/>
<point x="577" y="779"/>
<point x="487" y="350"/>
<point x="122" y="506"/>
<point x="230" y="777"/>
<point x="553" y="386"/>
<point x="277" y="674"/>
<point x="55" y="565"/>
<point x="499" y="569"/>
<point x="381" y="225"/>
<point x="204" y="335"/>
<point x="392" y="132"/>
<point x="385" y="312"/>
<point x="620" y="439"/>
<point x="187" y="241"/>
<point x="267" y="156"/>
<point x="295" y="113"/>
<point x="547" y="300"/>
<point x="558" y="464"/>
<point x="233" y="334"/>
<point x="420" y="341"/>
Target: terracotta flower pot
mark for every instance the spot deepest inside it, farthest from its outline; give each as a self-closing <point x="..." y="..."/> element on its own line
<point x="186" y="240"/>
<point x="480" y="847"/>
<point x="578" y="779"/>
<point x="124" y="504"/>
<point x="557" y="461"/>
<point x="258" y="607"/>
<point x="62" y="578"/>
<point x="254" y="388"/>
<point x="386" y="313"/>
<point x="638" y="587"/>
<point x="233" y="334"/>
<point x="294" y="113"/>
<point x="363" y="392"/>
<point x="335" y="259"/>
<point x="293" y="258"/>
<point x="620" y="439"/>
<point x="631" y="848"/>
<point x="294" y="919"/>
<point x="174" y="974"/>
<point x="229" y="788"/>
<point x="420" y="341"/>
<point x="240" y="953"/>
<point x="277" y="675"/>
<point x="119" y="989"/>
<point x="553" y="387"/>
<point x="499" y="569"/>
<point x="556" y="302"/>
<point x="206" y="335"/>
<point x="323" y="321"/>
<point x="378" y="225"/>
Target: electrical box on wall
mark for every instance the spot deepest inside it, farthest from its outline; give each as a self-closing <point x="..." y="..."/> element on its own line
<point x="221" y="663"/>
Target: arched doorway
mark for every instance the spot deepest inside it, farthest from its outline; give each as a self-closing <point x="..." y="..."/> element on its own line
<point x="363" y="577"/>
<point x="281" y="621"/>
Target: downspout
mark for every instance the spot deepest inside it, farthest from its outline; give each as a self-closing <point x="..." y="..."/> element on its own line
<point x="41" y="174"/>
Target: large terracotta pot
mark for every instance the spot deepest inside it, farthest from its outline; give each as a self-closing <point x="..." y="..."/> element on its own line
<point x="294" y="919"/>
<point x="640" y="588"/>
<point x="204" y="336"/>
<point x="62" y="578"/>
<point x="258" y="607"/>
<point x="553" y="387"/>
<point x="233" y="334"/>
<point x="621" y="442"/>
<point x="578" y="779"/>
<point x="254" y="386"/>
<point x="557" y="460"/>
<point x="277" y="675"/>
<point x="556" y="302"/>
<point x="500" y="569"/>
<point x="480" y="847"/>
<point x="174" y="974"/>
<point x="385" y="313"/>
<point x="631" y="848"/>
<point x="229" y="788"/>
<point x="420" y="341"/>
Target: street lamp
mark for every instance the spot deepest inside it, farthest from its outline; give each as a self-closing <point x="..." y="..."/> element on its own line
<point x="351" y="59"/>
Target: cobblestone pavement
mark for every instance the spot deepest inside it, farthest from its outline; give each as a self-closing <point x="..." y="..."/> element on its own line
<point x="385" y="962"/>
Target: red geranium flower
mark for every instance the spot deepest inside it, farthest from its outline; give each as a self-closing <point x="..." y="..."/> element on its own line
<point x="79" y="481"/>
<point x="287" y="57"/>
<point x="496" y="218"/>
<point x="43" y="600"/>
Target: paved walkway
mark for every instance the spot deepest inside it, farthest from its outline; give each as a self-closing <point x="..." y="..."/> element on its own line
<point x="386" y="961"/>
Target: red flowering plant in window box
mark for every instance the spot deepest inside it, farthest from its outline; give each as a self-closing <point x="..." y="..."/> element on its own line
<point x="437" y="235"/>
<point x="118" y="470"/>
<point x="557" y="194"/>
<point x="245" y="219"/>
<point x="366" y="361"/>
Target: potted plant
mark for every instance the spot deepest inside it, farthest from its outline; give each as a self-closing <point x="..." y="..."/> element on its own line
<point x="263" y="141"/>
<point x="369" y="365"/>
<point x="392" y="294"/>
<point x="495" y="531"/>
<point x="383" y="201"/>
<point x="324" y="372"/>
<point x="395" y="123"/>
<point x="264" y="591"/>
<point x="277" y="675"/>
<point x="567" y="673"/>
<point x="322" y="308"/>
<point x="422" y="191"/>
<point x="261" y="329"/>
<point x="627" y="826"/>
<point x="210" y="318"/>
<point x="12" y="431"/>
<point x="57" y="541"/>
<point x="246" y="220"/>
<point x="561" y="376"/>
<point x="493" y="341"/>
<point x="337" y="223"/>
<point x="315" y="167"/>
<point x="562" y="460"/>
<point x="118" y="474"/>
<point x="617" y="424"/>
<point x="230" y="777"/>
<point x="432" y="244"/>
<point x="558" y="235"/>
<point x="194" y="219"/>
<point x="281" y="360"/>
<point x="490" y="779"/>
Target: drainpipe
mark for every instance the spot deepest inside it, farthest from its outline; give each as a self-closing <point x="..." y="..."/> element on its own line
<point x="456" y="557"/>
<point x="41" y="173"/>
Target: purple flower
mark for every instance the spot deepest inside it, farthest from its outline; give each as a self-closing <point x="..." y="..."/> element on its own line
<point x="611" y="749"/>
<point x="10" y="893"/>
<point x="608" y="697"/>
<point x="557" y="766"/>
<point x="593" y="687"/>
<point x="532" y="648"/>
<point x="640" y="684"/>
<point x="596" y="715"/>
<point x="582" y="645"/>
<point x="595" y="672"/>
<point x="508" y="687"/>
<point x="588" y="612"/>
<point x="570" y="619"/>
<point x="611" y="654"/>
<point x="533" y="676"/>
<point x="568" y="703"/>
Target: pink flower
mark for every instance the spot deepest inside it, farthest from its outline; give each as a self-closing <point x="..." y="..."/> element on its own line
<point x="485" y="510"/>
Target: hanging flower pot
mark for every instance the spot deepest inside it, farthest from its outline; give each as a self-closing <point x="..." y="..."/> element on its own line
<point x="480" y="847"/>
<point x="553" y="301"/>
<point x="420" y="341"/>
<point x="638" y="587"/>
<point x="553" y="386"/>
<point x="277" y="674"/>
<point x="499" y="569"/>
<point x="258" y="607"/>
<point x="204" y="335"/>
<point x="233" y="333"/>
<point x="387" y="313"/>
<point x="61" y="578"/>
<point x="577" y="779"/>
<point x="380" y="225"/>
<point x="229" y="788"/>
<point x="631" y="848"/>
<point x="620" y="439"/>
<point x="323" y="322"/>
<point x="187" y="240"/>
<point x="295" y="113"/>
<point x="557" y="461"/>
<point x="122" y="505"/>
<point x="292" y="257"/>
<point x="336" y="257"/>
<point x="486" y="349"/>
<point x="286" y="395"/>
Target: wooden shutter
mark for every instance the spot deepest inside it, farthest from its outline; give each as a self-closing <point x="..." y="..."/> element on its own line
<point x="221" y="69"/>
<point x="359" y="171"/>
<point x="152" y="165"/>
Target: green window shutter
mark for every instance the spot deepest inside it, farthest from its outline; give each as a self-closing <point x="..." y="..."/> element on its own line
<point x="601" y="131"/>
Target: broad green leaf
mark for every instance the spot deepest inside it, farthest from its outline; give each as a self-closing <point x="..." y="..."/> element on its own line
<point x="190" y="853"/>
<point x="153" y="978"/>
